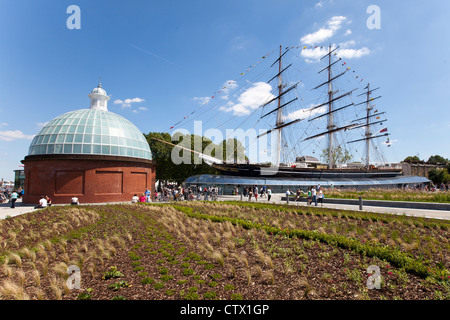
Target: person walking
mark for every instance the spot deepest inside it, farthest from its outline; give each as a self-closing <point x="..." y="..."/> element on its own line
<point x="320" y="196"/>
<point x="314" y="195"/>
<point x="13" y="199"/>
<point x="255" y="191"/>
<point x="148" y="194"/>
<point x="269" y="193"/>
<point x="309" y="195"/>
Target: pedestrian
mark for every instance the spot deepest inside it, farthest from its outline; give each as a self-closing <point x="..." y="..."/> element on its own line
<point x="42" y="203"/>
<point x="321" y="196"/>
<point x="13" y="199"/>
<point x="74" y="201"/>
<point x="255" y="191"/>
<point x="250" y="192"/>
<point x="314" y="195"/>
<point x="148" y="194"/>
<point x="309" y="195"/>
<point x="142" y="198"/>
<point x="298" y="195"/>
<point x="269" y="193"/>
<point x="135" y="199"/>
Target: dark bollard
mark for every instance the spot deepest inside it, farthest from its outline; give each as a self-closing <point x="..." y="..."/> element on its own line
<point x="287" y="199"/>
<point x="360" y="203"/>
<point x="241" y="197"/>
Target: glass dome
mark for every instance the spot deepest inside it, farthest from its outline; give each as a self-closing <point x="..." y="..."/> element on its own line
<point x="91" y="131"/>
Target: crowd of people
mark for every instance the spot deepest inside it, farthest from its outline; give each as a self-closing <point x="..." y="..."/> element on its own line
<point x="314" y="194"/>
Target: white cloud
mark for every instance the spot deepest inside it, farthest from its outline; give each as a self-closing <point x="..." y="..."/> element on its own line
<point x="250" y="99"/>
<point x="305" y="113"/>
<point x="319" y="36"/>
<point x="314" y="54"/>
<point x="40" y="125"/>
<point x="227" y="87"/>
<point x="127" y="102"/>
<point x="202" y="100"/>
<point x="353" y="53"/>
<point x="12" y="135"/>
<point x="348" y="32"/>
<point x="3" y="124"/>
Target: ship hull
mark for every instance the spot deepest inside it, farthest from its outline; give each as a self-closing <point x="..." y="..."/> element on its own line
<point x="302" y="173"/>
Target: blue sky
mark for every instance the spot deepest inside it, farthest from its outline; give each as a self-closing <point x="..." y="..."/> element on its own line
<point x="165" y="56"/>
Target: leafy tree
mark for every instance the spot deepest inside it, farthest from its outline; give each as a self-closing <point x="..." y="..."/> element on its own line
<point x="187" y="163"/>
<point x="338" y="154"/>
<point x="437" y="159"/>
<point x="439" y="176"/>
<point x="233" y="150"/>
<point x="412" y="159"/>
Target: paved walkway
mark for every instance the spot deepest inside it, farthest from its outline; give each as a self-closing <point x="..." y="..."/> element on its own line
<point x="6" y="210"/>
<point x="276" y="198"/>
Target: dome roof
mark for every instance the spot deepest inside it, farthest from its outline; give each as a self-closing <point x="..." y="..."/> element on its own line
<point x="99" y="90"/>
<point x="93" y="132"/>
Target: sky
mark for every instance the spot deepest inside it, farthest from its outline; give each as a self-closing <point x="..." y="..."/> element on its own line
<point x="159" y="61"/>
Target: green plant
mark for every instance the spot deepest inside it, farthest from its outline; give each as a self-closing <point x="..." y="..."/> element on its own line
<point x="158" y="285"/>
<point x="229" y="287"/>
<point x="112" y="272"/>
<point x="210" y="295"/>
<point x="85" y="295"/>
<point x="166" y="277"/>
<point x="121" y="284"/>
<point x="187" y="272"/>
<point x="148" y="280"/>
<point x="236" y="296"/>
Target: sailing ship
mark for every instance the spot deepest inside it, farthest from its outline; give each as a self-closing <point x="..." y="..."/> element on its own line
<point x="308" y="167"/>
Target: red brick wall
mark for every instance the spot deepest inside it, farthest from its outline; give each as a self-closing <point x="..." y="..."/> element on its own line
<point x="92" y="181"/>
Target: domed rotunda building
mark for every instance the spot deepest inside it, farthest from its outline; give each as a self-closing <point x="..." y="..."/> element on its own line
<point x="94" y="154"/>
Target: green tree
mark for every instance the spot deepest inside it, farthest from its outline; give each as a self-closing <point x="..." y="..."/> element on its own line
<point x="439" y="176"/>
<point x="233" y="150"/>
<point x="338" y="154"/>
<point x="166" y="169"/>
<point x="437" y="159"/>
<point x="412" y="159"/>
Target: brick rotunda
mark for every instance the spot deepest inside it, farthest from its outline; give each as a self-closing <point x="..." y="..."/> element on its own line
<point x="93" y="154"/>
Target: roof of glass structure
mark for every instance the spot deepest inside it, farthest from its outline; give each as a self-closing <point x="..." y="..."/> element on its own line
<point x="236" y="180"/>
<point x="94" y="131"/>
<point x="91" y="131"/>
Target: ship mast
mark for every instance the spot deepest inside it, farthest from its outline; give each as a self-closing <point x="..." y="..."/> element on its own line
<point x="369" y="135"/>
<point x="331" y="125"/>
<point x="279" y="122"/>
<point x="368" y="131"/>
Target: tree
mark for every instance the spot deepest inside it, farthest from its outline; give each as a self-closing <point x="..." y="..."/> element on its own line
<point x="233" y="150"/>
<point x="439" y="176"/>
<point x="338" y="154"/>
<point x="166" y="169"/>
<point x="411" y="159"/>
<point x="437" y="160"/>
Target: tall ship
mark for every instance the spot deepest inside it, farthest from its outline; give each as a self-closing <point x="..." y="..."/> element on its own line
<point x="332" y="126"/>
